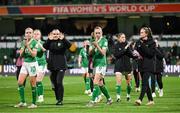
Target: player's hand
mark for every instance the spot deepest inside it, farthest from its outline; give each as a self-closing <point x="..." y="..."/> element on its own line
<point x="156" y="42"/>
<point x="136" y="54"/>
<point x="127" y="45"/>
<point x="95" y="43"/>
<point x="61" y="36"/>
<point x="26" y="42"/>
<point x="92" y="34"/>
<point x="50" y="36"/>
<point x="40" y="45"/>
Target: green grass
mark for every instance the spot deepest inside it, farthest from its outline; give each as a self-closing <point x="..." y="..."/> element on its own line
<point x="75" y="101"/>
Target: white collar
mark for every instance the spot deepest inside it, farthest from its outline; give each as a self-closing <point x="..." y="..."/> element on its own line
<point x="100" y="38"/>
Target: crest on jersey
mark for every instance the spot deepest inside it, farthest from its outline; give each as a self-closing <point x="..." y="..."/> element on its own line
<point x="59" y="44"/>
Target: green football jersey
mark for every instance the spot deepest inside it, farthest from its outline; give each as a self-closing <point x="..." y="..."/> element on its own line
<point x="41" y="58"/>
<point x="99" y="59"/>
<point x="26" y="54"/>
<point x="84" y="57"/>
<point x="91" y="39"/>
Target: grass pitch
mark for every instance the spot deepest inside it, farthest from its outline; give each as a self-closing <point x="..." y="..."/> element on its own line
<point x="75" y="100"/>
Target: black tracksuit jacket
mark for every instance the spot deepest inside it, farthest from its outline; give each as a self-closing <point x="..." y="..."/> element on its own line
<point x="122" y="55"/>
<point x="159" y="55"/>
<point x="57" y="49"/>
<point x="147" y="51"/>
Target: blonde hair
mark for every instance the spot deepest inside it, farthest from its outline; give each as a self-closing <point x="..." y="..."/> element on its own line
<point x="28" y="28"/>
<point x="37" y="30"/>
<point x="98" y="27"/>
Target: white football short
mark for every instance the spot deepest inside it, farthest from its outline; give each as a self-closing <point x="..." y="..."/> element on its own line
<point x="42" y="68"/>
<point x="84" y="69"/>
<point x="100" y="70"/>
<point x="29" y="68"/>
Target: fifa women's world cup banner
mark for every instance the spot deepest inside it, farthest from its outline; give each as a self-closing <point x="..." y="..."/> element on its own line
<point x="90" y="9"/>
<point x="171" y="70"/>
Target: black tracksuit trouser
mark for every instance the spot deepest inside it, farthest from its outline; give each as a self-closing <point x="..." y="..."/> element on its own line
<point x="57" y="81"/>
<point x="153" y="83"/>
<point x="145" y="86"/>
<point x="156" y="77"/>
<point x="136" y="77"/>
<point x="159" y="80"/>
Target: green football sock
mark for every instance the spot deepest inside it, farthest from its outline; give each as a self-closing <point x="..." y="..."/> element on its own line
<point x="128" y="89"/>
<point x="99" y="92"/>
<point x="105" y="91"/>
<point x="21" y="93"/>
<point x="95" y="92"/>
<point x="118" y="89"/>
<point x="40" y="88"/>
<point x="131" y="83"/>
<point x="85" y="79"/>
<point x="87" y="83"/>
<point x="34" y="94"/>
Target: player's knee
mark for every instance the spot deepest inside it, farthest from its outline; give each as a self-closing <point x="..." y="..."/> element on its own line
<point x="96" y="80"/>
<point x="38" y="79"/>
<point x="20" y="83"/>
<point x="33" y="82"/>
<point x="59" y="83"/>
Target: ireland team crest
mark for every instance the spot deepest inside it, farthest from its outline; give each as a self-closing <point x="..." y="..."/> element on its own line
<point x="59" y="44"/>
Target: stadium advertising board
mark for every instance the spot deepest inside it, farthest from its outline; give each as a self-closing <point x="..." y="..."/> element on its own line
<point x="11" y="70"/>
<point x="89" y="9"/>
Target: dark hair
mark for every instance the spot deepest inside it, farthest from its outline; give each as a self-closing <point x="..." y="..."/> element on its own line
<point x="119" y="34"/>
<point x="148" y="31"/>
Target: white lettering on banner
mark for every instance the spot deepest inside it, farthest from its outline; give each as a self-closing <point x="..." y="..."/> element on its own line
<point x="167" y="68"/>
<point x="79" y="9"/>
<point x="101" y="9"/>
<point x="146" y="8"/>
<point x="6" y="69"/>
<point x="123" y="8"/>
<point x="89" y="9"/>
<point x="9" y="68"/>
<point x="75" y="71"/>
<point x="172" y="69"/>
<point x="60" y="10"/>
<point x="176" y="69"/>
<point x="134" y="8"/>
<point x="55" y="10"/>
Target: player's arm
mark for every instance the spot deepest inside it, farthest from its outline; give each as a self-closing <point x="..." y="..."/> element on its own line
<point x="91" y="50"/>
<point x="46" y="45"/>
<point x="23" y="47"/>
<point x="41" y="46"/>
<point x="79" y="60"/>
<point x="101" y="50"/>
<point x="118" y="52"/>
<point x="21" y="51"/>
<point x="33" y="51"/>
